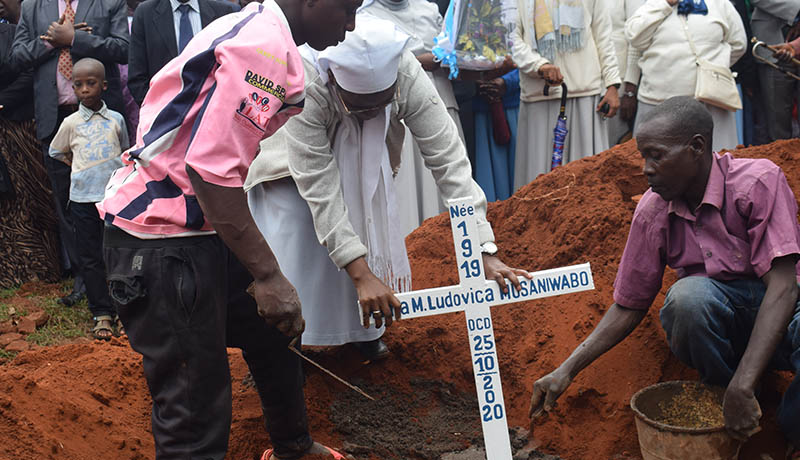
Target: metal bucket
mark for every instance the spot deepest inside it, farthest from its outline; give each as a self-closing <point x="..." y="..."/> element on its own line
<point x="659" y="441"/>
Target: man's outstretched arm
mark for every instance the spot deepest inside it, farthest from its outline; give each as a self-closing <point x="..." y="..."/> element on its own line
<point x="226" y="209"/>
<point x="616" y="324"/>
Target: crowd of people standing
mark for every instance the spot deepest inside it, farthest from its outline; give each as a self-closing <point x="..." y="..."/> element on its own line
<point x="622" y="57"/>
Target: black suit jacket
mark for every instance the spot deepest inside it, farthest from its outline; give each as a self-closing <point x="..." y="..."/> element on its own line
<point x="16" y="88"/>
<point x="153" y="41"/>
<point x="107" y="43"/>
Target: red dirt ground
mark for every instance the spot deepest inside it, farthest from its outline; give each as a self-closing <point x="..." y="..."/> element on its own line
<point x="89" y="400"/>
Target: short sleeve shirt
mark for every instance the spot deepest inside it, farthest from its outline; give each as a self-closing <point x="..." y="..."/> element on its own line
<point x="94" y="142"/>
<point x="747" y="218"/>
<point x="236" y="83"/>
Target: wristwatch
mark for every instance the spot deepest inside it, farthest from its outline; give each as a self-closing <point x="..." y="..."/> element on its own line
<point x="629" y="94"/>
<point x="489" y="248"/>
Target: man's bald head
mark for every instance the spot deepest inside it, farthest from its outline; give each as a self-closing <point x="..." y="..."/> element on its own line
<point x="679" y="119"/>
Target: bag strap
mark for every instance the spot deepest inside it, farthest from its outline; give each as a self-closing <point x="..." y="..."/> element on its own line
<point x="689" y="37"/>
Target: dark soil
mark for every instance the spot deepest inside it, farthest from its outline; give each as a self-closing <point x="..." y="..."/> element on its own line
<point x="431" y="420"/>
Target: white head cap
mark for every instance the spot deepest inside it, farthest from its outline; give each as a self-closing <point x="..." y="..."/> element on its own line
<point x="367" y="60"/>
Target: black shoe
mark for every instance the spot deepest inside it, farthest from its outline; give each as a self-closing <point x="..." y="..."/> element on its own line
<point x="71" y="299"/>
<point x="374" y="350"/>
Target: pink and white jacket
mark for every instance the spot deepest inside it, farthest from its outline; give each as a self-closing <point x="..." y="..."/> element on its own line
<point x="235" y="83"/>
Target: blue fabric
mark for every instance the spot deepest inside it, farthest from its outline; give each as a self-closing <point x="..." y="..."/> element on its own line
<point x="494" y="164"/>
<point x="186" y="32"/>
<point x="448" y="59"/>
<point x="740" y="118"/>
<point x="559" y="136"/>
<point x="708" y="324"/>
<point x="686" y="7"/>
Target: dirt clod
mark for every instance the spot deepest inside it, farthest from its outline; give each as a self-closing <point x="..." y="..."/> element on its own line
<point x="6" y="327"/>
<point x="26" y="326"/>
<point x="17" y="346"/>
<point x="39" y="318"/>
<point x="9" y="337"/>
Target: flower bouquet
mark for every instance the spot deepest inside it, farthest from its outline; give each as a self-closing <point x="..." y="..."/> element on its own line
<point x="476" y="34"/>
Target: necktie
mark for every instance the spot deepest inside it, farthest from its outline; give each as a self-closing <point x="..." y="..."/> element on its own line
<point x="185" y="28"/>
<point x="64" y="56"/>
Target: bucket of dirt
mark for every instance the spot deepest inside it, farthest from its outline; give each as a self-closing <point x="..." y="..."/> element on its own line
<point x="682" y="420"/>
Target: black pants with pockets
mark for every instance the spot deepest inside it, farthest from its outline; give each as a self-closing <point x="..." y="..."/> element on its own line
<point x="182" y="301"/>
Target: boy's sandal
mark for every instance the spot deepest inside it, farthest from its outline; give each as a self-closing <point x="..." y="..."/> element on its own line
<point x="103" y="327"/>
<point x="267" y="455"/>
<point x="120" y="327"/>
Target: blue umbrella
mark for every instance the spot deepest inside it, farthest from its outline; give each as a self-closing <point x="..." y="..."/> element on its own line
<point x="560" y="131"/>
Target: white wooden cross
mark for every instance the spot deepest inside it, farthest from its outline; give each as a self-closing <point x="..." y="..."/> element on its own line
<point x="474" y="295"/>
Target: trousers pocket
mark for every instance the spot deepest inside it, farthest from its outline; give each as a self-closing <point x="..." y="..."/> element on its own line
<point x="125" y="289"/>
<point x="186" y="285"/>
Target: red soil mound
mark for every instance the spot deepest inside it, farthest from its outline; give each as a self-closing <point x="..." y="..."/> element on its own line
<point x="89" y="400"/>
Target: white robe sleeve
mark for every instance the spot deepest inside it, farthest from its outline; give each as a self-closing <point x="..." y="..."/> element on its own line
<point x="601" y="31"/>
<point x="640" y="28"/>
<point x="440" y="145"/>
<point x="735" y="35"/>
<point x="316" y="173"/>
<point x="632" y="70"/>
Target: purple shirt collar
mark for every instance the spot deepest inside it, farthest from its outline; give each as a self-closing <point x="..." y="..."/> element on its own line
<point x="714" y="194"/>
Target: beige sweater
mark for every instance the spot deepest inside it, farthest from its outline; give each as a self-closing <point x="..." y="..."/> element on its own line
<point x="667" y="61"/>
<point x="586" y="72"/>
<point x="302" y="149"/>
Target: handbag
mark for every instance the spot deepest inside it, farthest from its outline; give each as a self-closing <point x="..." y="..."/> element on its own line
<point x="716" y="84"/>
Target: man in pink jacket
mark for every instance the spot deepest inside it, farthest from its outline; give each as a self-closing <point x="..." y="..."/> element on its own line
<point x="181" y="248"/>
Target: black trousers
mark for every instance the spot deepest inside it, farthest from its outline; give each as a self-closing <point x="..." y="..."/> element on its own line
<point x="89" y="248"/>
<point x="59" y="174"/>
<point x="182" y="300"/>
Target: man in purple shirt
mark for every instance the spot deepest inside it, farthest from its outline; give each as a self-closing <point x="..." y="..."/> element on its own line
<point x="729" y="228"/>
